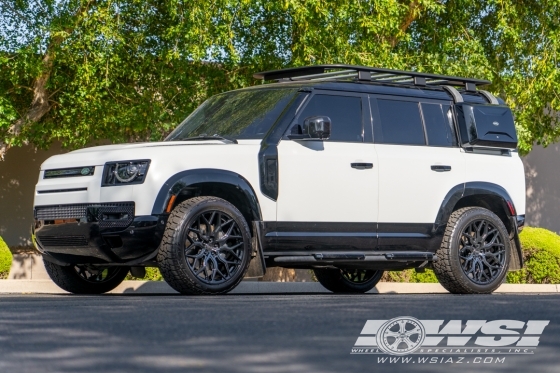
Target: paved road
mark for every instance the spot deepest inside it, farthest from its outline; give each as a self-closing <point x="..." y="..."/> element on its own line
<point x="243" y="333"/>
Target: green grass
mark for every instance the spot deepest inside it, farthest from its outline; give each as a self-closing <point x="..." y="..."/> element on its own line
<point x="5" y="259"/>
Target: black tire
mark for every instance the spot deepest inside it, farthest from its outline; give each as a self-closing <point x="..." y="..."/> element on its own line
<point x="348" y="280"/>
<point x="79" y="279"/>
<point x="198" y="255"/>
<point x="475" y="252"/>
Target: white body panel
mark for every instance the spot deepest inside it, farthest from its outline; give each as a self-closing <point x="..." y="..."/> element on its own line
<point x="505" y="171"/>
<point x="318" y="184"/>
<point x="409" y="191"/>
<point x="167" y="159"/>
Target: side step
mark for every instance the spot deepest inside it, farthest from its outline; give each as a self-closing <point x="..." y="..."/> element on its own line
<point x="396" y="256"/>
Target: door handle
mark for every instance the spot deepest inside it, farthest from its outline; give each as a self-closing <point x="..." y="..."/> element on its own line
<point x="361" y="166"/>
<point x="440" y="168"/>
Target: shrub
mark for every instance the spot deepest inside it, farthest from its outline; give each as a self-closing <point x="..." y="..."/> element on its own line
<point x="152" y="274"/>
<point x="541" y="252"/>
<point x="410" y="275"/>
<point x="5" y="259"/>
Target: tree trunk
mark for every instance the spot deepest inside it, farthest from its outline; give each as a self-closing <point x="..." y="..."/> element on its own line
<point x="413" y="13"/>
<point x="40" y="104"/>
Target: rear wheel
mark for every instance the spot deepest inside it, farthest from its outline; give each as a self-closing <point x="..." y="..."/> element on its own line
<point x="475" y="252"/>
<point x="348" y="280"/>
<point x="82" y="279"/>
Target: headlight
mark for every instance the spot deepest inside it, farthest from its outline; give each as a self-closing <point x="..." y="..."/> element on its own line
<point x="125" y="172"/>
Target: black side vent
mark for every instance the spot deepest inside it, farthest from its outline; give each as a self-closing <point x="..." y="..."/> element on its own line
<point x="268" y="162"/>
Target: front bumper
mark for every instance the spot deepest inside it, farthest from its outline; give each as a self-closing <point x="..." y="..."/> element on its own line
<point x="97" y="233"/>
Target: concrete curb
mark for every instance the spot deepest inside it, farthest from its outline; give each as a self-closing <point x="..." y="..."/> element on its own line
<point x="260" y="287"/>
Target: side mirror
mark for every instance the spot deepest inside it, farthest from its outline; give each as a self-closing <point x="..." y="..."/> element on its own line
<point x="318" y="127"/>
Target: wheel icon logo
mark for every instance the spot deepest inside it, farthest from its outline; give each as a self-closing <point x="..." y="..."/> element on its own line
<point x="401" y="336"/>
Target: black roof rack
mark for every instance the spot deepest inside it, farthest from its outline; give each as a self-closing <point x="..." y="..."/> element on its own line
<point x="364" y="73"/>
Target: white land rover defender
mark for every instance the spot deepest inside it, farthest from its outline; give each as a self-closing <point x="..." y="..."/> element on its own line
<point x="346" y="170"/>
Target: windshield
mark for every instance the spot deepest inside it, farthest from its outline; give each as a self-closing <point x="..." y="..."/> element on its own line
<point x="246" y="114"/>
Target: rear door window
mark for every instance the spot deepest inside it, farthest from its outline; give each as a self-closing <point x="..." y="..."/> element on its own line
<point x="399" y="123"/>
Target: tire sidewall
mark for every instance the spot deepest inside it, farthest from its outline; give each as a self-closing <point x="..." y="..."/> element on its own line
<point x="361" y="287"/>
<point x="180" y="237"/>
<point x="332" y="279"/>
<point x="68" y="279"/>
<point x="464" y="220"/>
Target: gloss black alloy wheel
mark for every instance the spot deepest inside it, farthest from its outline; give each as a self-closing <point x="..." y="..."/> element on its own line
<point x="85" y="279"/>
<point x="357" y="276"/>
<point x="214" y="247"/>
<point x="348" y="280"/>
<point x="206" y="248"/>
<point x="474" y="254"/>
<point x="97" y="275"/>
<point x="482" y="252"/>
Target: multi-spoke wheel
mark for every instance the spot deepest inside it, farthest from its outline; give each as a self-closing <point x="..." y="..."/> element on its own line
<point x="83" y="279"/>
<point x="474" y="255"/>
<point x="481" y="252"/>
<point x="206" y="248"/>
<point x="214" y="247"/>
<point x="348" y="280"/>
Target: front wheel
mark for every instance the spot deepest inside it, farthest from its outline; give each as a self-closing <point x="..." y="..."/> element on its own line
<point x="348" y="280"/>
<point x="475" y="252"/>
<point x="206" y="248"/>
<point x="82" y="279"/>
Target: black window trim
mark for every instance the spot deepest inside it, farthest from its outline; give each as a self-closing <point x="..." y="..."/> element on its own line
<point x="367" y="132"/>
<point x="420" y="100"/>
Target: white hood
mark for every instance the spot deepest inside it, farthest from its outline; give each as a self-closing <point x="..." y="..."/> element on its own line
<point x="99" y="155"/>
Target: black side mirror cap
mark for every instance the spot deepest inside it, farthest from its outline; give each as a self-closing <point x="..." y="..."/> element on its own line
<point x="317" y="127"/>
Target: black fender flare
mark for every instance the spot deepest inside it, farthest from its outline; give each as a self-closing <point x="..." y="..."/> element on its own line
<point x="187" y="179"/>
<point x="476" y="188"/>
<point x="482" y="189"/>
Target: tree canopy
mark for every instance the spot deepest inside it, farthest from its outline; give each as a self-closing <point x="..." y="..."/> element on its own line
<point x="77" y="71"/>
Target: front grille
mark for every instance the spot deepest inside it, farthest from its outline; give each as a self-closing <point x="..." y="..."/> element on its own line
<point x="109" y="215"/>
<point x="47" y="241"/>
<point x="61" y="212"/>
<point x="69" y="172"/>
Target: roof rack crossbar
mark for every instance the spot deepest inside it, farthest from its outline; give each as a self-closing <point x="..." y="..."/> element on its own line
<point x="352" y="75"/>
<point x="437" y="81"/>
<point x="377" y="76"/>
<point x="314" y="76"/>
<point x="396" y="78"/>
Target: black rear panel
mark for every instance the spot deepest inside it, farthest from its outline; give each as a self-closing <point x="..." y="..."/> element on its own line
<point x="486" y="126"/>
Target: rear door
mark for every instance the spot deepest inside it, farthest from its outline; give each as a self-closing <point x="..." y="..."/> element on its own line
<point x="328" y="195"/>
<point x="419" y="163"/>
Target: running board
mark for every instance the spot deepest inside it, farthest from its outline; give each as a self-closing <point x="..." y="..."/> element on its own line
<point x="401" y="256"/>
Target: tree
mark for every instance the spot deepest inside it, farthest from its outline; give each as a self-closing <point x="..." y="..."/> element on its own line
<point x="130" y="70"/>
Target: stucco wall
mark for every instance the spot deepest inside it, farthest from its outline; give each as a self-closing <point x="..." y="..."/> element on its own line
<point x="542" y="171"/>
<point x="18" y="176"/>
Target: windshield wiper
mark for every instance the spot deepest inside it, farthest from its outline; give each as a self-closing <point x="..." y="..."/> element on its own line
<point x="213" y="137"/>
